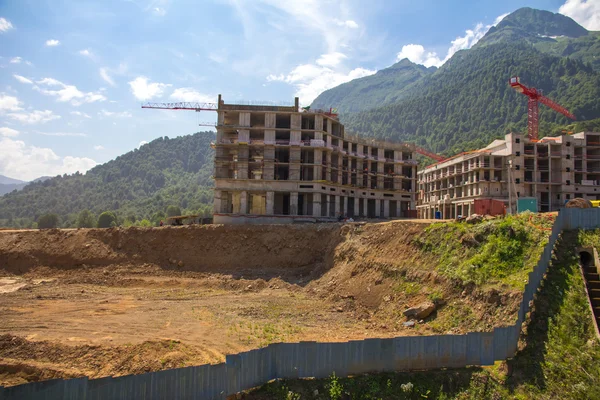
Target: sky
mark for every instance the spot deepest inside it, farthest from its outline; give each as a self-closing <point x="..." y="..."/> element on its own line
<point x="73" y="74"/>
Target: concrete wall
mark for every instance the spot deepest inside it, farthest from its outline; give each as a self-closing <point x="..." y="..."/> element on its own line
<point x="312" y="359"/>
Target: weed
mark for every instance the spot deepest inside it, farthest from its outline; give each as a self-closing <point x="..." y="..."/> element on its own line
<point x="336" y="390"/>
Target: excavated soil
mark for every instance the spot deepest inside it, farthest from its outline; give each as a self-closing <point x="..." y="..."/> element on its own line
<point x="100" y="302"/>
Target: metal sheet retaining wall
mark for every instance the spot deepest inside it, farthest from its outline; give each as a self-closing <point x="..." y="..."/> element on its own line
<point x="311" y="359"/>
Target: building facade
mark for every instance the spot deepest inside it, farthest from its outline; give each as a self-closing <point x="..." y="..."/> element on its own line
<point x="278" y="164"/>
<point x="553" y="170"/>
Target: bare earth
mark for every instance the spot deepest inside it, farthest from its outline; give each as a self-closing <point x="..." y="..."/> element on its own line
<point x="120" y="301"/>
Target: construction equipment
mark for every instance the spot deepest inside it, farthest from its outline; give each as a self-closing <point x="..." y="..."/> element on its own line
<point x="429" y="154"/>
<point x="536" y="96"/>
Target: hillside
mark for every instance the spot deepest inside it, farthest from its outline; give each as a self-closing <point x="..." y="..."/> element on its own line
<point x="136" y="185"/>
<point x="387" y="86"/>
<point x="467" y="102"/>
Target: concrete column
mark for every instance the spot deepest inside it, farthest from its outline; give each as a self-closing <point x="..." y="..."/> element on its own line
<point x="294" y="203"/>
<point x="316" y="204"/>
<point x="399" y="209"/>
<point x="326" y="205"/>
<point x="270" y="202"/>
<point x="345" y="201"/>
<point x="217" y="202"/>
<point x="365" y="207"/>
<point x="244" y="202"/>
<point x="337" y="205"/>
<point x="356" y="207"/>
<point x="377" y="208"/>
<point x="386" y="208"/>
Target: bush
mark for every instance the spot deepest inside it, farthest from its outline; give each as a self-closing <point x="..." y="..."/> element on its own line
<point x="47" y="221"/>
<point x="173" y="211"/>
<point x="86" y="219"/>
<point x="145" y="223"/>
<point x="107" y="220"/>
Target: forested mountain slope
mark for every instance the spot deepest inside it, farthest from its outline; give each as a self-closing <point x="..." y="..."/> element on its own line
<point x="387" y="86"/>
<point x="137" y="184"/>
<point x="467" y="102"/>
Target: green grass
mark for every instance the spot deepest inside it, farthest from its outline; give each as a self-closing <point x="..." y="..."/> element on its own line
<point x="498" y="251"/>
<point x="559" y="358"/>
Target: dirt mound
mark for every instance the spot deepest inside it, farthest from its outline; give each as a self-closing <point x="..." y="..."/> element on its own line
<point x="27" y="361"/>
<point x="209" y="248"/>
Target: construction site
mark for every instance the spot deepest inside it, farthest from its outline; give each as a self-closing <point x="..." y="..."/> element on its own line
<point x="116" y="302"/>
<point x="110" y="302"/>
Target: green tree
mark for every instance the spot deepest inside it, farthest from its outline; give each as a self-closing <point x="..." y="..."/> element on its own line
<point x="145" y="223"/>
<point x="107" y="219"/>
<point x="86" y="219"/>
<point x="173" y="211"/>
<point x="48" y="221"/>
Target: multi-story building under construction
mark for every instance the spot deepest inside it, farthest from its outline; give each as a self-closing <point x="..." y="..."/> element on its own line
<point x="280" y="164"/>
<point x="553" y="170"/>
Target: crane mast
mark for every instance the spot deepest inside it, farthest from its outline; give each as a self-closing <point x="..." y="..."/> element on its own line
<point x="535" y="97"/>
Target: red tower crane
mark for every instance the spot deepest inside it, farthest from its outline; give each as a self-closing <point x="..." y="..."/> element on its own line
<point x="536" y="96"/>
<point x="429" y="154"/>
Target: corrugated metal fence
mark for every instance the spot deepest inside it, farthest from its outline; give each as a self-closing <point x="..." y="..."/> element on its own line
<point x="311" y="359"/>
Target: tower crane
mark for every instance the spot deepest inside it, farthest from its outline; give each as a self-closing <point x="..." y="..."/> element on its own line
<point x="190" y="106"/>
<point x="535" y="97"/>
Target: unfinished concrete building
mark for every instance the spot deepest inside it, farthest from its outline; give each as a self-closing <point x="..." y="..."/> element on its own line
<point x="553" y="170"/>
<point x="280" y="164"/>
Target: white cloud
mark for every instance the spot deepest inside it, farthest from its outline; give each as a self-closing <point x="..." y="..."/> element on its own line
<point x="159" y="11"/>
<point x="314" y="18"/>
<point x="98" y="148"/>
<point x="22" y="79"/>
<point x="585" y="12"/>
<point x="8" y="132"/>
<point x="5" y="25"/>
<point x="124" y="114"/>
<point x="348" y="23"/>
<point x="331" y="59"/>
<point x="9" y="103"/>
<point x="27" y="162"/>
<point x="190" y="95"/>
<point x="66" y="93"/>
<point x="417" y="53"/>
<point x="52" y="42"/>
<point x="80" y="114"/>
<point x="312" y="79"/>
<point x="16" y="60"/>
<point x="143" y="142"/>
<point x="218" y="58"/>
<point x="86" y="53"/>
<point x="104" y="75"/>
<point x="34" y="117"/>
<point x="143" y="90"/>
<point x="62" y="134"/>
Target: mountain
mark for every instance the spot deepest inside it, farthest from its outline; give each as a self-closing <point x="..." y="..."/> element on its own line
<point x="5" y="180"/>
<point x="136" y="185"/>
<point x="550" y="33"/>
<point x="7" y="184"/>
<point x="387" y="86"/>
<point x="467" y="102"/>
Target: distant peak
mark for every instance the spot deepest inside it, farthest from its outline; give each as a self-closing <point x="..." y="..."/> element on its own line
<point x="543" y="23"/>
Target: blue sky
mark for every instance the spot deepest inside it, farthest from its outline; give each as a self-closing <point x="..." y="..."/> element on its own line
<point x="73" y="74"/>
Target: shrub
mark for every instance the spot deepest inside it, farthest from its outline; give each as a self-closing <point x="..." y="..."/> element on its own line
<point x="47" y="221"/>
<point x="173" y="211"/>
<point x="107" y="219"/>
<point x="86" y="219"/>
